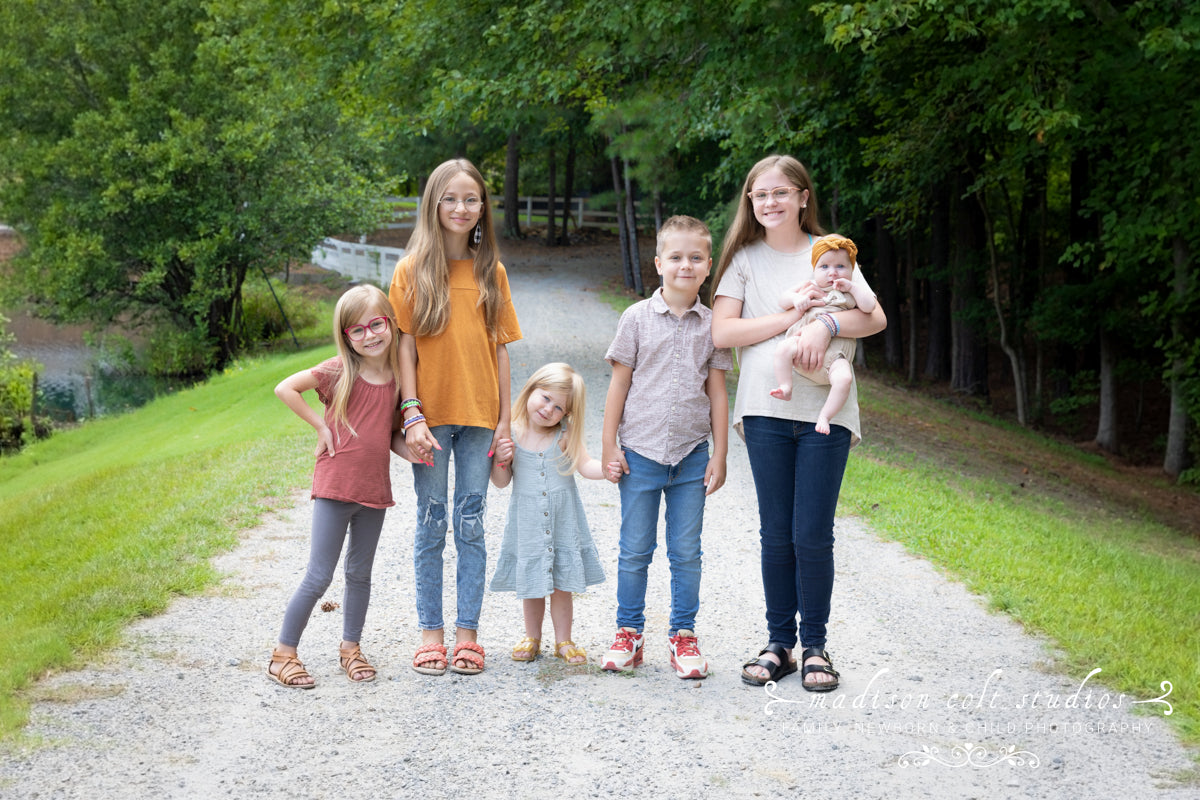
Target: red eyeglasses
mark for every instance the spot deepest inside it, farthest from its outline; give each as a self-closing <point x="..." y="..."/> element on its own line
<point x="377" y="326"/>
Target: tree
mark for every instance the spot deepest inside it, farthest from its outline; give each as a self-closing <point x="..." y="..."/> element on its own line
<point x="179" y="149"/>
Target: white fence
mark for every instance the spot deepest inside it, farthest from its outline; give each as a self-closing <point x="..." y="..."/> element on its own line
<point x="362" y="262"/>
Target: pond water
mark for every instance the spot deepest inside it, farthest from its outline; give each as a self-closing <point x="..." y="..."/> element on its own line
<point x="74" y="381"/>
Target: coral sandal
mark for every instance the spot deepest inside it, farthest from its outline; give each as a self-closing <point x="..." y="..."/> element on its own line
<point x="527" y="649"/>
<point x="290" y="669"/>
<point x="470" y="652"/>
<point x="355" y="663"/>
<point x="574" y="655"/>
<point x="427" y="656"/>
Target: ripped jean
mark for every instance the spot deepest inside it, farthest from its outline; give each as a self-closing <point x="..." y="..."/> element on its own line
<point x="472" y="468"/>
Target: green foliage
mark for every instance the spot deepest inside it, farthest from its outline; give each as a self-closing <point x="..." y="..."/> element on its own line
<point x="262" y="319"/>
<point x="16" y="392"/>
<point x="178" y="149"/>
<point x="175" y="351"/>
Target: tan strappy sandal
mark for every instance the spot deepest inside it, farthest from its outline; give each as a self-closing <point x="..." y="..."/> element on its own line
<point x="353" y="662"/>
<point x="290" y="669"/>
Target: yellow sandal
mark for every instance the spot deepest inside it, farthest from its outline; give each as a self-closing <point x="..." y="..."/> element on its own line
<point x="527" y="649"/>
<point x="573" y="652"/>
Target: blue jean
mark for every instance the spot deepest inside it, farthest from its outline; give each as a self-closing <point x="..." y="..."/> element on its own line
<point x="683" y="487"/>
<point x="797" y="477"/>
<point x="332" y="521"/>
<point x="472" y="467"/>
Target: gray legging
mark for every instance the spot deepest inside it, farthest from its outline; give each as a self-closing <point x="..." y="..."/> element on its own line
<point x="331" y="521"/>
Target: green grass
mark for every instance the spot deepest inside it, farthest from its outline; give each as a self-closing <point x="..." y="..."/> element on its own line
<point x="1115" y="591"/>
<point x="106" y="523"/>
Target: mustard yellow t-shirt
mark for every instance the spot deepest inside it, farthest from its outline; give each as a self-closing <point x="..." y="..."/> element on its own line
<point x="458" y="377"/>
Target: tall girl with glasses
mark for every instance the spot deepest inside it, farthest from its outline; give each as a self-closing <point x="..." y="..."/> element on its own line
<point x="797" y="471"/>
<point x="452" y="302"/>
<point x="352" y="483"/>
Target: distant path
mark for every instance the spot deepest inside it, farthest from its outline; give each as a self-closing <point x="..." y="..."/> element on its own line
<point x="931" y="702"/>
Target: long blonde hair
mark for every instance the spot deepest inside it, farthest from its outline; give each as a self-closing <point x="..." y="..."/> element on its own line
<point x="558" y="377"/>
<point x="428" y="292"/>
<point x="350" y="308"/>
<point x="746" y="229"/>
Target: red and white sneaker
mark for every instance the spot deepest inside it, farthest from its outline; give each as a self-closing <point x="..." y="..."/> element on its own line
<point x="625" y="653"/>
<point x="685" y="655"/>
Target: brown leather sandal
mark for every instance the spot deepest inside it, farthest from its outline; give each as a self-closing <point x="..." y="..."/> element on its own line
<point x="354" y="663"/>
<point x="290" y="670"/>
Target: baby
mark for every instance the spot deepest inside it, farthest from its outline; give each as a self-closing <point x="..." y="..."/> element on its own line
<point x="833" y="265"/>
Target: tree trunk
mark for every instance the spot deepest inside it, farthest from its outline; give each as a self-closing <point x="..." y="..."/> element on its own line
<point x="622" y="231"/>
<point x="888" y="289"/>
<point x="1106" y="429"/>
<point x="969" y="355"/>
<point x="1010" y="345"/>
<point x="631" y="223"/>
<point x="568" y="186"/>
<point x="512" y="186"/>
<point x="1177" y="457"/>
<point x="937" y="353"/>
<point x="910" y="288"/>
<point x="551" y="234"/>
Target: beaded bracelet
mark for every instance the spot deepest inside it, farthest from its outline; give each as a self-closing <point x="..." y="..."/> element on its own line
<point x="411" y="403"/>
<point x="828" y="321"/>
<point x="413" y="420"/>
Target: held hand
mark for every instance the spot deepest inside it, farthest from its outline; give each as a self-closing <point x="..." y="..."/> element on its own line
<point x="614" y="462"/>
<point x="503" y="454"/>
<point x="811" y="344"/>
<point x="400" y="447"/>
<point x="714" y="475"/>
<point x="615" y="469"/>
<point x="421" y="443"/>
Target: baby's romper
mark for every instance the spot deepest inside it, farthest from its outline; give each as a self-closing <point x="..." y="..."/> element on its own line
<point x="547" y="544"/>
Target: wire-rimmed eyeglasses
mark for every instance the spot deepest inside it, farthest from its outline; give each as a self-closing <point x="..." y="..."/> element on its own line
<point x="451" y="203"/>
<point x="780" y="193"/>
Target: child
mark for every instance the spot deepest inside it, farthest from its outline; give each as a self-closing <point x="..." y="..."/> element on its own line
<point x="352" y="485"/>
<point x="451" y="297"/>
<point x="547" y="547"/>
<point x="666" y="397"/>
<point x="833" y="264"/>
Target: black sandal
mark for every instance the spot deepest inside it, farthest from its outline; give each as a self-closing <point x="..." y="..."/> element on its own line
<point x="786" y="666"/>
<point x="827" y="668"/>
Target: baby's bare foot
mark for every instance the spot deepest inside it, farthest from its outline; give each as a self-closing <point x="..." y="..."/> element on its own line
<point x="782" y="393"/>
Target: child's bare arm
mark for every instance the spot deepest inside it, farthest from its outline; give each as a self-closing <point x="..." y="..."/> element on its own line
<point x="864" y="298"/>
<point x="291" y="391"/>
<point x="418" y="441"/>
<point x="718" y="400"/>
<point x="503" y="424"/>
<point x="612" y="458"/>
<point x="591" y="468"/>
